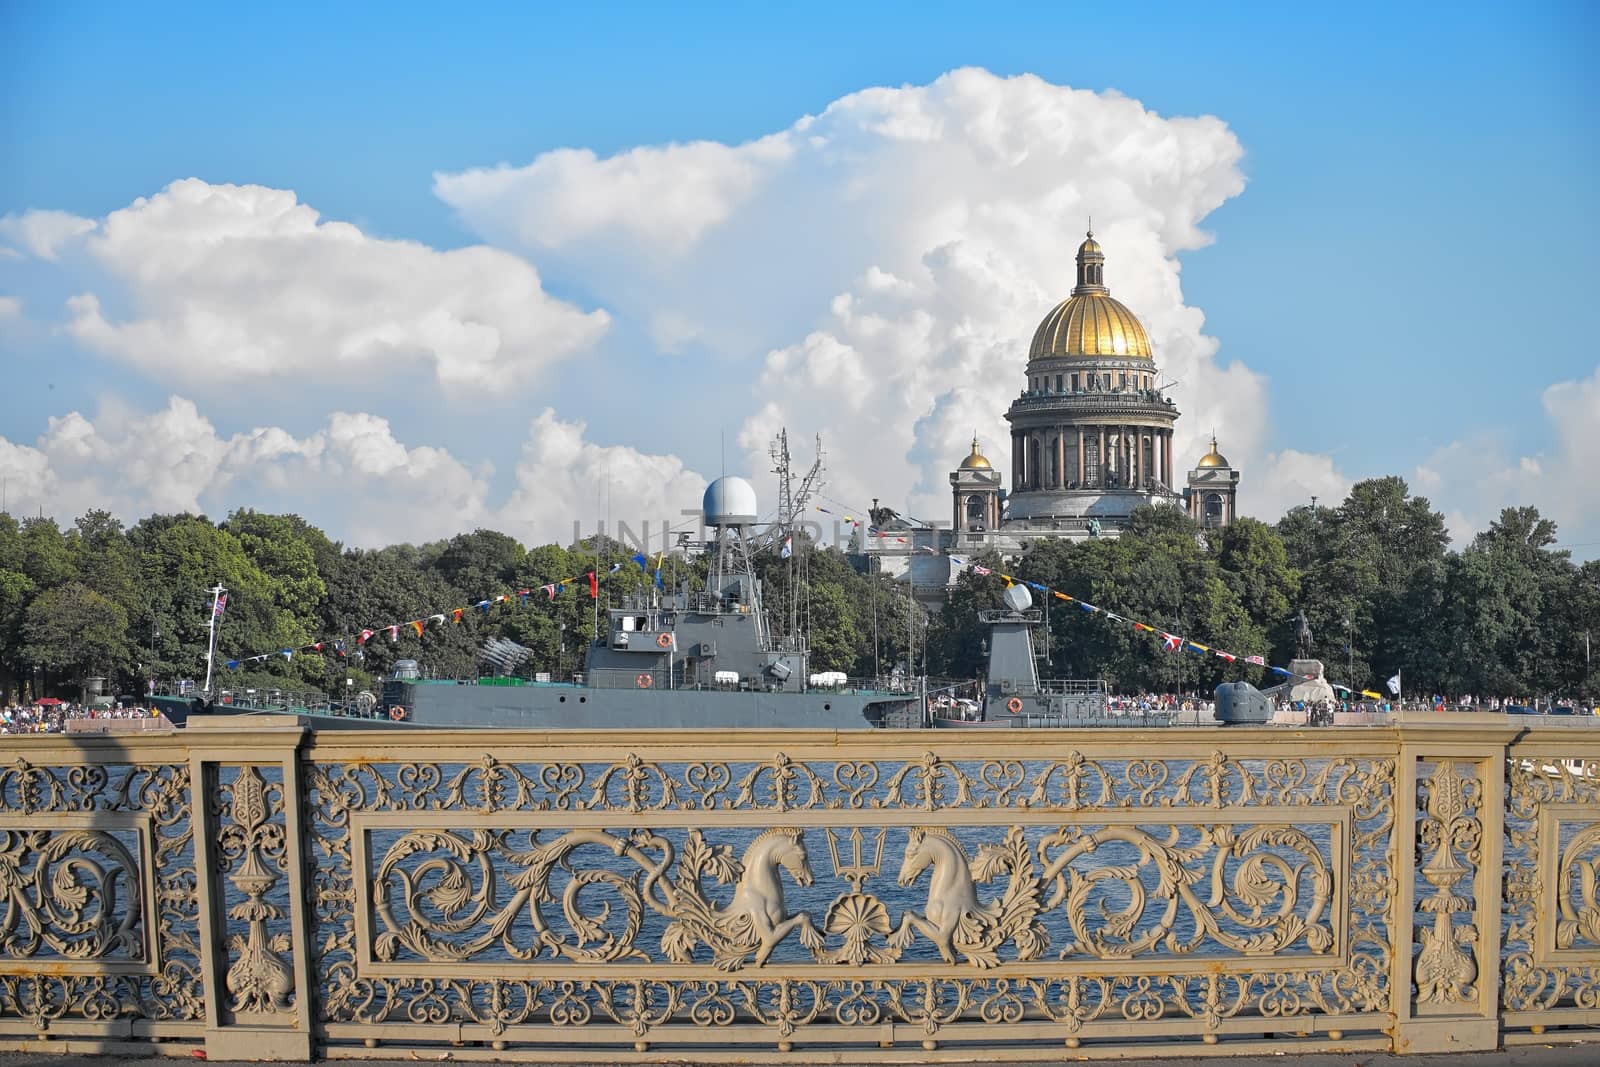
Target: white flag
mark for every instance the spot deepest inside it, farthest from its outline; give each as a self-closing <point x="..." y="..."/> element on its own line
<point x="1394" y="684"/>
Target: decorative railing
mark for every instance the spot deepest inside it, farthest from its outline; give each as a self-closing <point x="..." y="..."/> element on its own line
<point x="263" y="890"/>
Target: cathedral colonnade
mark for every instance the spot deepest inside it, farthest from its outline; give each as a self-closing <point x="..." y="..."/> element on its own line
<point x="1070" y="457"/>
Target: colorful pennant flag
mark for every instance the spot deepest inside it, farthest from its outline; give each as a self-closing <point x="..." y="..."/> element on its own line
<point x="1170" y="642"/>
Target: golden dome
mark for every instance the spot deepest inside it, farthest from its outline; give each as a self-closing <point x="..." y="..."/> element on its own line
<point x="1090" y="322"/>
<point x="1213" y="458"/>
<point x="976" y="461"/>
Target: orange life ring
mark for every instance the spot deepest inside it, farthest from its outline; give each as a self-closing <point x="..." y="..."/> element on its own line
<point x="397" y="713"/>
<point x="1014" y="705"/>
<point x="664" y="640"/>
<point x="644" y="681"/>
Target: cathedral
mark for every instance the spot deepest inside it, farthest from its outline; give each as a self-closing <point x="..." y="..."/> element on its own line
<point x="1091" y="440"/>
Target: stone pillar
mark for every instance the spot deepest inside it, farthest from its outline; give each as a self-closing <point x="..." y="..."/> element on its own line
<point x="1138" y="453"/>
<point x="1445" y="978"/>
<point x="1080" y="456"/>
<point x="1016" y="462"/>
<point x="1061" y="457"/>
<point x="245" y="777"/>
<point x="1101" y="481"/>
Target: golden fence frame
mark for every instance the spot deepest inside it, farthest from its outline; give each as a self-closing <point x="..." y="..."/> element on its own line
<point x="262" y="889"/>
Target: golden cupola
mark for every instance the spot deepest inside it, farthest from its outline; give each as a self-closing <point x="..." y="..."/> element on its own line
<point x="1213" y="458"/>
<point x="977" y="461"/>
<point x="1090" y="323"/>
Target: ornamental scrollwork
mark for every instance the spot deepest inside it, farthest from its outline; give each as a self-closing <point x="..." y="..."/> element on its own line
<point x="1445" y="972"/>
<point x="1578" y="876"/>
<point x="1275" y="897"/>
<point x="97" y="870"/>
<point x="252" y="848"/>
<point x="1552" y="831"/>
<point x="74" y="894"/>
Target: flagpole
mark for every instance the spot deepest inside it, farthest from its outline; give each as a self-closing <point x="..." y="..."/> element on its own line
<point x="211" y="638"/>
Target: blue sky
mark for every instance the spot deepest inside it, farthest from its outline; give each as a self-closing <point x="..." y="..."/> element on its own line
<point x="1407" y="268"/>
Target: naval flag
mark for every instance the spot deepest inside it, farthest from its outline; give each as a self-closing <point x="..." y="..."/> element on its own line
<point x="1394" y="684"/>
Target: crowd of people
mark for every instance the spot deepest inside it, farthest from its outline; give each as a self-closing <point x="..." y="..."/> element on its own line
<point x="52" y="718"/>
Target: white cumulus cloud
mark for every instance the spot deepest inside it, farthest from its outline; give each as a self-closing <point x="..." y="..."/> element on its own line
<point x="352" y="476"/>
<point x="876" y="271"/>
<point x="1470" y="480"/>
<point x="566" y="484"/>
<point x="243" y="282"/>
<point x="43" y="234"/>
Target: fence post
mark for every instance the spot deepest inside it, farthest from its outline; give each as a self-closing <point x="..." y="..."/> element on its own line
<point x="1450" y="782"/>
<point x="253" y="933"/>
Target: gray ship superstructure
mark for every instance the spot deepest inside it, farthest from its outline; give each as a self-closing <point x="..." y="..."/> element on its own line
<point x="684" y="659"/>
<point x="1013" y="693"/>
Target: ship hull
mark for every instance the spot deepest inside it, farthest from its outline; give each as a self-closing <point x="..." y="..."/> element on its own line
<point x="571" y="707"/>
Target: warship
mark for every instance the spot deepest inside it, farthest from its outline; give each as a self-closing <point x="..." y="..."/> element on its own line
<point x="704" y="659"/>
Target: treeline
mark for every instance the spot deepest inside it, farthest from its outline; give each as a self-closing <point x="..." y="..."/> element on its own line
<point x="1509" y="615"/>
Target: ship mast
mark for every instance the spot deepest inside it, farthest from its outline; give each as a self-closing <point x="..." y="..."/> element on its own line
<point x="217" y="593"/>
<point x="791" y="505"/>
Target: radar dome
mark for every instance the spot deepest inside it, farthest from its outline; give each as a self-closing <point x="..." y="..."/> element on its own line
<point x="1018" y="598"/>
<point x="729" y="501"/>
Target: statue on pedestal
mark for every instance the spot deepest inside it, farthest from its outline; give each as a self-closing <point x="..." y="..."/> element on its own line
<point x="1303" y="637"/>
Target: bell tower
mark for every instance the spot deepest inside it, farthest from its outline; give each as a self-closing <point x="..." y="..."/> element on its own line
<point x="975" y="497"/>
<point x="1213" y="485"/>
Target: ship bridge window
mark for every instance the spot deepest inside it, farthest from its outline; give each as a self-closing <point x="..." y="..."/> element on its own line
<point x="641" y="623"/>
<point x="627" y="624"/>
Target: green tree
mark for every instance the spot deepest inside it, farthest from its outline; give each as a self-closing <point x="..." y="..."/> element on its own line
<point x="283" y="547"/>
<point x="46" y="556"/>
<point x="75" y="633"/>
<point x="105" y="561"/>
<point x="1379" y="561"/>
<point x="180" y="561"/>
<point x="1504" y="614"/>
<point x="16" y="590"/>
<point x="479" y="564"/>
